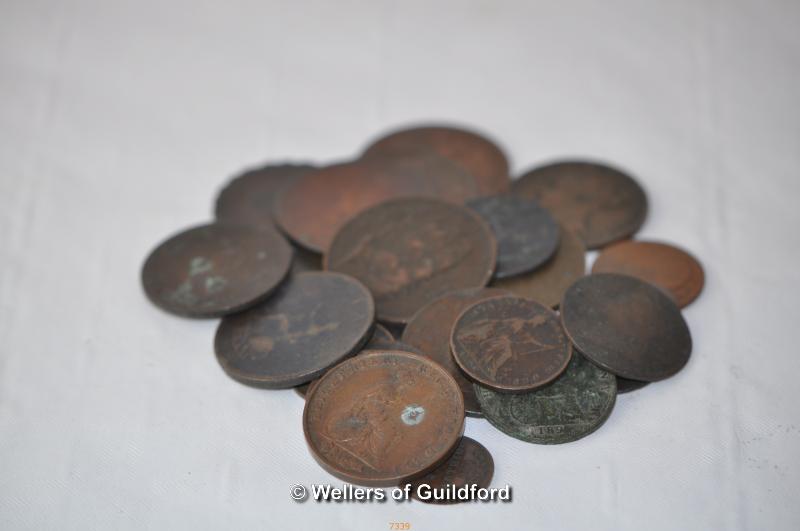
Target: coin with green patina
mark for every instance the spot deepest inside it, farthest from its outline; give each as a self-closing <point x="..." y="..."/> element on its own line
<point x="572" y="407"/>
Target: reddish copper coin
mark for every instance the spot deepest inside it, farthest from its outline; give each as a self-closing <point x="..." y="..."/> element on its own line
<point x="249" y="198"/>
<point x="429" y="331"/>
<point x="314" y="321"/>
<point x="626" y="326"/>
<point x="598" y="203"/>
<point x="548" y="283"/>
<point x="213" y="270"/>
<point x="666" y="266"/>
<point x="408" y="252"/>
<point x="315" y="206"/>
<point x="470" y="464"/>
<point x="478" y="155"/>
<point x="383" y="418"/>
<point x="510" y="344"/>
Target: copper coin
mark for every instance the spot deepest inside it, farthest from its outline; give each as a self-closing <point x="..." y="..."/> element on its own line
<point x="381" y="338"/>
<point x="548" y="283"/>
<point x="249" y="198"/>
<point x="408" y="252"/>
<point x="625" y="385"/>
<point x="213" y="270"/>
<point x="429" y="331"/>
<point x="470" y="464"/>
<point x="315" y="206"/>
<point x="383" y="418"/>
<point x="478" y="155"/>
<point x="598" y="203"/>
<point x="527" y="235"/>
<point x="313" y="321"/>
<point x="668" y="267"/>
<point x="626" y="326"/>
<point x="510" y="344"/>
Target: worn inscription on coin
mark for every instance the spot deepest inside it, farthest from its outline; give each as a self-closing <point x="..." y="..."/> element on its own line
<point x="573" y="406"/>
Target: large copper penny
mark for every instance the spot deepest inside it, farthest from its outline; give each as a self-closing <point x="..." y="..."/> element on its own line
<point x="527" y="235"/>
<point x="408" y="252"/>
<point x="249" y="198"/>
<point x="314" y="321"/>
<point x="470" y="464"/>
<point x="510" y="344"/>
<point x="213" y="270"/>
<point x="598" y="203"/>
<point x="666" y="266"/>
<point x="383" y="418"/>
<point x="627" y="326"/>
<point x="315" y="206"/>
<point x="479" y="156"/>
<point x="429" y="331"/>
<point x="548" y="283"/>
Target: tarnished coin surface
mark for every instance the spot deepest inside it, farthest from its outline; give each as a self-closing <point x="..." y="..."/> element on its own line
<point x="627" y="326"/>
<point x="383" y="418"/>
<point x="470" y="464"/>
<point x="625" y="385"/>
<point x="429" y="331"/>
<point x="548" y="282"/>
<point x="666" y="266"/>
<point x="249" y="198"/>
<point x="527" y="235"/>
<point x="312" y="322"/>
<point x="479" y="156"/>
<point x="408" y="252"/>
<point x="574" y="406"/>
<point x="598" y="203"/>
<point x="217" y="269"/>
<point x="314" y="207"/>
<point x="510" y="344"/>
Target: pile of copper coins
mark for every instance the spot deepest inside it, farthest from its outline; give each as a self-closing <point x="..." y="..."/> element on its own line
<point x="418" y="284"/>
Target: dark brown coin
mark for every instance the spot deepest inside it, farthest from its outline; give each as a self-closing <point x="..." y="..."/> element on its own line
<point x="626" y="326"/>
<point x="548" y="283"/>
<point x="470" y="464"/>
<point x="668" y="267"/>
<point x="213" y="270"/>
<point x="311" y="323"/>
<point x="429" y="331"/>
<point x="383" y="418"/>
<point x="315" y="206"/>
<point x="250" y="197"/>
<point x="510" y="344"/>
<point x="625" y="385"/>
<point x="381" y="339"/>
<point x="598" y="203"/>
<point x="408" y="252"/>
<point x="527" y="235"/>
<point x="470" y="151"/>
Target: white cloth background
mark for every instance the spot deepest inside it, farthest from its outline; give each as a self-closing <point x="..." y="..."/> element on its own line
<point x="120" y="120"/>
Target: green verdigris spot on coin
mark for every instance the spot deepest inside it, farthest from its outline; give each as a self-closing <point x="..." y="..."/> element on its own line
<point x="572" y="407"/>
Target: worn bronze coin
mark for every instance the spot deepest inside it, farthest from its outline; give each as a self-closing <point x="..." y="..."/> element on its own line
<point x="668" y="267"/>
<point x="574" y="406"/>
<point x="311" y="323"/>
<point x="383" y="418"/>
<point x="626" y="385"/>
<point x="429" y="331"/>
<point x="598" y="203"/>
<point x="478" y="155"/>
<point x="527" y="235"/>
<point x="217" y="269"/>
<point x="470" y="464"/>
<point x="627" y="326"/>
<point x="249" y="198"/>
<point x="380" y="339"/>
<point x="315" y="206"/>
<point x="410" y="251"/>
<point x="510" y="344"/>
<point x="548" y="283"/>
